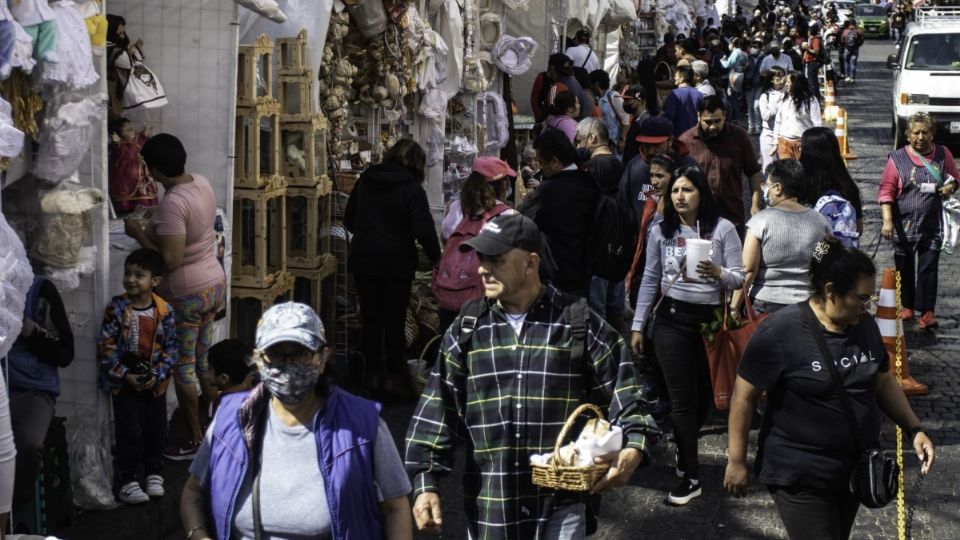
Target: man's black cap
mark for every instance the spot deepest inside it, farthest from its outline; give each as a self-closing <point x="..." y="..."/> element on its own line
<point x="504" y="233"/>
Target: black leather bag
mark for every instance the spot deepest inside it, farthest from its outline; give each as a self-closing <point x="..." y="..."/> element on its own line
<point x="875" y="478"/>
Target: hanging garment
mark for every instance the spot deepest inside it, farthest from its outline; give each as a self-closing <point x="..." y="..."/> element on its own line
<point x="11" y="138"/>
<point x="21" y="55"/>
<point x="495" y="121"/>
<point x="96" y="23"/>
<point x="74" y="66"/>
<point x="138" y="86"/>
<point x="16" y="276"/>
<point x="66" y="135"/>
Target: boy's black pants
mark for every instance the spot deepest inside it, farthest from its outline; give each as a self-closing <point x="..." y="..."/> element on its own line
<point x="141" y="426"/>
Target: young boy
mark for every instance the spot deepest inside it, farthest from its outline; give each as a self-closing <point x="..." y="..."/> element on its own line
<point x="230" y="368"/>
<point x="137" y="349"/>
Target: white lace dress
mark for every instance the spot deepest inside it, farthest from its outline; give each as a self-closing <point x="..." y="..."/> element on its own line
<point x="16" y="276"/>
<point x="75" y="66"/>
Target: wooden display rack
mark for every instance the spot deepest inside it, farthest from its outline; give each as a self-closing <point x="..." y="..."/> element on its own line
<point x="310" y="140"/>
<point x="255" y="71"/>
<point x="259" y="237"/>
<point x="257" y="145"/>
<point x="292" y="55"/>
<point x="295" y="93"/>
<point x="248" y="304"/>
<point x="308" y="283"/>
<point x="308" y="216"/>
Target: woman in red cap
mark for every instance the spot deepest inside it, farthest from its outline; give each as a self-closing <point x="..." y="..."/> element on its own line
<point x="481" y="199"/>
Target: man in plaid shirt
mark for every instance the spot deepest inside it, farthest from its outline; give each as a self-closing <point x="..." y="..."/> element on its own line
<point x="506" y="384"/>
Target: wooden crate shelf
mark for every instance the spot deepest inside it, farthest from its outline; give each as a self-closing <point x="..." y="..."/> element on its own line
<point x="257" y="148"/>
<point x="308" y="283"/>
<point x="292" y="55"/>
<point x="296" y="96"/>
<point x="255" y="71"/>
<point x="247" y="305"/>
<point x="308" y="216"/>
<point x="304" y="160"/>
<point x="259" y="237"/>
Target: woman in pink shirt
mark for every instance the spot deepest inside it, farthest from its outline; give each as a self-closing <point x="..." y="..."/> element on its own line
<point x="181" y="229"/>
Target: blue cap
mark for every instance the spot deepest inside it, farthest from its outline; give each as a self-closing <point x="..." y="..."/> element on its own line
<point x="290" y="322"/>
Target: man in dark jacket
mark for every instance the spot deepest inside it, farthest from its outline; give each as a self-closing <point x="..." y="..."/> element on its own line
<point x="560" y="70"/>
<point x="387" y="213"/>
<point x="563" y="208"/>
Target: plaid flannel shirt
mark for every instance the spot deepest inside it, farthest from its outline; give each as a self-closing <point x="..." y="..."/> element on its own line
<point x="509" y="396"/>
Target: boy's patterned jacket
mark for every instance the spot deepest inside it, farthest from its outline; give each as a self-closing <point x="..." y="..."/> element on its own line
<point x="113" y="343"/>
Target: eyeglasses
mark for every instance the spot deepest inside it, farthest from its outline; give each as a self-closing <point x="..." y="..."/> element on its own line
<point x="299" y="355"/>
<point x="867" y="299"/>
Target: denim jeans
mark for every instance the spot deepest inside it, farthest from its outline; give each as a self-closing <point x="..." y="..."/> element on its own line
<point x="753" y="108"/>
<point x="812" y="70"/>
<point x="607" y="297"/>
<point x="566" y="523"/>
<point x="850" y="59"/>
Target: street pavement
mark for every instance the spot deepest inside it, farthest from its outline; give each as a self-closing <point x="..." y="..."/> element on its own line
<point x="637" y="510"/>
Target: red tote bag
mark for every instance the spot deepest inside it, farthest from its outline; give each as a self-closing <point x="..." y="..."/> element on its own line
<point x="724" y="350"/>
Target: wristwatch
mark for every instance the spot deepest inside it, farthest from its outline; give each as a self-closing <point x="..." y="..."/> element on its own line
<point x="913" y="431"/>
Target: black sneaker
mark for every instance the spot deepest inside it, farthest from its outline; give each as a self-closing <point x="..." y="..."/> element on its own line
<point x="685" y="492"/>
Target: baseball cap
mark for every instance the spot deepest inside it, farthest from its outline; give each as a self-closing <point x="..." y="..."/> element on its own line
<point x="290" y="322"/>
<point x="492" y="168"/>
<point x="503" y="233"/>
<point x="655" y="130"/>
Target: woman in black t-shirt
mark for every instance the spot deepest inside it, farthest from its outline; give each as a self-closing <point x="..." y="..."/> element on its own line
<point x="806" y="452"/>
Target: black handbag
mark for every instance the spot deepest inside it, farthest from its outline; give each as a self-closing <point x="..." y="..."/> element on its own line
<point x="875" y="476"/>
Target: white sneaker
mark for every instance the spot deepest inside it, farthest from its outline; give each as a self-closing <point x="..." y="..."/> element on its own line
<point x="155" y="486"/>
<point x="131" y="493"/>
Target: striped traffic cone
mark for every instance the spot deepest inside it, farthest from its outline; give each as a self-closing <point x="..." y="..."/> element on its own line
<point x="830" y="103"/>
<point x="842" y="134"/>
<point x="891" y="328"/>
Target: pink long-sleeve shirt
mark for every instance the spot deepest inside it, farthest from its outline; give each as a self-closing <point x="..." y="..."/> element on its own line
<point x="891" y="185"/>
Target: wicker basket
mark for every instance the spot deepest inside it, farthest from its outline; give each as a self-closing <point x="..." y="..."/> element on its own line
<point x="569" y="478"/>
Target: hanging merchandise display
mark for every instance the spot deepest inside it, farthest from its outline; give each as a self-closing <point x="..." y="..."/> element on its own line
<point x="38" y="20"/>
<point x="96" y="23"/>
<point x="65" y="226"/>
<point x="336" y="78"/>
<point x="514" y="55"/>
<point x="19" y="42"/>
<point x="16" y="276"/>
<point x="268" y="8"/>
<point x="11" y="138"/>
<point x="496" y="124"/>
<point x="74" y="65"/>
<point x="66" y="135"/>
<point x="370" y="16"/>
<point x="138" y="85"/>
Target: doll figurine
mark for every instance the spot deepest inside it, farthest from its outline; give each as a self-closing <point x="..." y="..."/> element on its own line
<point x="39" y="22"/>
<point x="130" y="183"/>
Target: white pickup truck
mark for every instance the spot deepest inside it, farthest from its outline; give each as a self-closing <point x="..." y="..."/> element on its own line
<point x="928" y="73"/>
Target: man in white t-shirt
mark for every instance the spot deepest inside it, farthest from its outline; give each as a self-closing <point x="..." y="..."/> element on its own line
<point x="581" y="53"/>
<point x="775" y="58"/>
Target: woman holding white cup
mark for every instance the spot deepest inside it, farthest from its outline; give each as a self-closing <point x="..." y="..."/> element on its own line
<point x="692" y="257"/>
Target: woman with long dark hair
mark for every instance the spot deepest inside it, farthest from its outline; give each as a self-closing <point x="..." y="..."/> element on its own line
<point x="690" y="212"/>
<point x="387" y="213"/>
<point x="771" y="96"/>
<point x="825" y="170"/>
<point x="799" y="112"/>
<point x="806" y="451"/>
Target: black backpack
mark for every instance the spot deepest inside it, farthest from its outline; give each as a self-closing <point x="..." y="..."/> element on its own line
<point x="852" y="40"/>
<point x="614" y="237"/>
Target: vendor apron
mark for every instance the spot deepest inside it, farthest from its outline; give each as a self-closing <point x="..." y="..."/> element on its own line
<point x="919" y="205"/>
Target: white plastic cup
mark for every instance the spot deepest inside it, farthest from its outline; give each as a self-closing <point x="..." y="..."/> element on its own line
<point x="697" y="250"/>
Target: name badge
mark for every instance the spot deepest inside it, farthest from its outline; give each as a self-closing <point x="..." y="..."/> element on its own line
<point x="928" y="187"/>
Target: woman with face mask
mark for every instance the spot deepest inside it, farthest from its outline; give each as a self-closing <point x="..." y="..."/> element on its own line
<point x="779" y="240"/>
<point x="296" y="456"/>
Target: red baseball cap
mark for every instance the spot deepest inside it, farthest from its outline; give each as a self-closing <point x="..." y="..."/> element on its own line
<point x="655" y="130"/>
<point x="492" y="168"/>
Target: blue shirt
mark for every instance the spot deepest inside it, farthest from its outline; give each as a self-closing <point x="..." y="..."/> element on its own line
<point x="681" y="107"/>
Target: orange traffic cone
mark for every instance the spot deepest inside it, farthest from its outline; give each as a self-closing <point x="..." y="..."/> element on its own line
<point x="830" y="103"/>
<point x="891" y="328"/>
<point x="843" y="134"/>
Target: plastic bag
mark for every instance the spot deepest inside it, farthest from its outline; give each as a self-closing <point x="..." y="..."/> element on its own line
<point x="89" y="448"/>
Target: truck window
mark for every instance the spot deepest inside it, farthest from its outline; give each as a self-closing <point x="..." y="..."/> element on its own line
<point x="931" y="52"/>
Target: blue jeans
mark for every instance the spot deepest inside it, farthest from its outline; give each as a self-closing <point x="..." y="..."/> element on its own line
<point x="566" y="523"/>
<point x="812" y="70"/>
<point x="850" y="59"/>
<point x="753" y="108"/>
<point x="606" y="296"/>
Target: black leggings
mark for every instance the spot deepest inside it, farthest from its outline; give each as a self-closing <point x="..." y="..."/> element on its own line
<point x="683" y="360"/>
<point x="383" y="312"/>
<point x="815" y="514"/>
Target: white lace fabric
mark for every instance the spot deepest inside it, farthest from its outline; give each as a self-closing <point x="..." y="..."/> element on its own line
<point x="75" y="65"/>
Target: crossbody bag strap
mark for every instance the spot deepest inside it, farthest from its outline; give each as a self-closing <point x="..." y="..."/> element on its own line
<point x="930" y="168"/>
<point x="814" y="326"/>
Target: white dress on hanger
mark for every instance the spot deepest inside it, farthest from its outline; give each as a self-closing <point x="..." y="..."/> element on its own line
<point x="139" y="86"/>
<point x="75" y="65"/>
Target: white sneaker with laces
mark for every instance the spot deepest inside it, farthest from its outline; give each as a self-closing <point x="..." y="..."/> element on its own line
<point x="132" y="493"/>
<point x="155" y="486"/>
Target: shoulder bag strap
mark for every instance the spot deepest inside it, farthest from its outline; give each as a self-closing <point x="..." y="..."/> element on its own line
<point x="577" y="316"/>
<point x="814" y="326"/>
<point x="930" y="168"/>
<point x="587" y="59"/>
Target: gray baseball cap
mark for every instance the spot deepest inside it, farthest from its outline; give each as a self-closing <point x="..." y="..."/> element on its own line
<point x="290" y="322"/>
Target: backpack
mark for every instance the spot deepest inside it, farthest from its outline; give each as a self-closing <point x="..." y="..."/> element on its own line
<point x="842" y="216"/>
<point x="456" y="279"/>
<point x="851" y="40"/>
<point x="614" y="237"/>
<point x="610" y="116"/>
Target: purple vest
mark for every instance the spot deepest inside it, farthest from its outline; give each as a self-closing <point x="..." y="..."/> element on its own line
<point x="346" y="433"/>
<point x="919" y="211"/>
